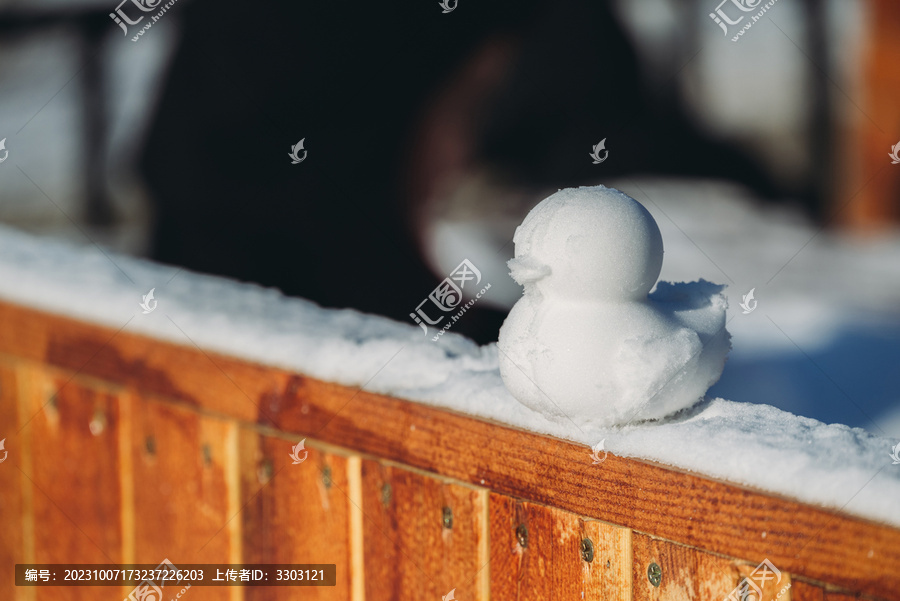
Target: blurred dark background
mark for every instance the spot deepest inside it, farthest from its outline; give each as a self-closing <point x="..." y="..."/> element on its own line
<point x="394" y="103"/>
<point x="430" y="134"/>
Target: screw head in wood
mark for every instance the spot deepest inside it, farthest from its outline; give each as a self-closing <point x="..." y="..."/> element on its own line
<point x="265" y="471"/>
<point x="522" y="535"/>
<point x="150" y="445"/>
<point x="447" y="517"/>
<point x="587" y="550"/>
<point x="654" y="574"/>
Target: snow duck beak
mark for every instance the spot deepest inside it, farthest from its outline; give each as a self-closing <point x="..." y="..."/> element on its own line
<point x="527" y="270"/>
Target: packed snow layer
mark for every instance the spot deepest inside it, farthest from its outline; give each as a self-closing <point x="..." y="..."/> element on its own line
<point x="756" y="445"/>
<point x="585" y="343"/>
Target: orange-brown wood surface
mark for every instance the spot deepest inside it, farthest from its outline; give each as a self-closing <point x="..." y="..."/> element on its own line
<point x="13" y="522"/>
<point x="871" y="189"/>
<point x="296" y="513"/>
<point x="609" y="575"/>
<point x="803" y="591"/>
<point x="181" y="487"/>
<point x="537" y="552"/>
<point x="684" y="573"/>
<point x="73" y="476"/>
<point x="715" y="517"/>
<point x="411" y="551"/>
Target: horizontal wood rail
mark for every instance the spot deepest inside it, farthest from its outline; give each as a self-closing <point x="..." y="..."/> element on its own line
<point x="191" y="463"/>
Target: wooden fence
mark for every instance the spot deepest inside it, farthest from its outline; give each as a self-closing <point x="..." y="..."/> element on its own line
<point x="125" y="449"/>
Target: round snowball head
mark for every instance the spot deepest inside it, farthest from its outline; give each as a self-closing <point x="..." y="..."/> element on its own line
<point x="590" y="242"/>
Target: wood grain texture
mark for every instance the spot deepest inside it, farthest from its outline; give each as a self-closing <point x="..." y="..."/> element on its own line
<point x="181" y="488"/>
<point x="296" y="513"/>
<point x="74" y="476"/>
<point x="687" y="574"/>
<point x="609" y="575"/>
<point x="522" y="572"/>
<point x="227" y="386"/>
<point x="409" y="553"/>
<point x="12" y="502"/>
<point x="818" y="544"/>
<point x="550" y="564"/>
<point x="803" y="591"/>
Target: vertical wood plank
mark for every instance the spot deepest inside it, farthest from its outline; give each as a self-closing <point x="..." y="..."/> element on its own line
<point x="869" y="179"/>
<point x="357" y="536"/>
<point x="687" y="574"/>
<point x="183" y="506"/>
<point x="12" y="509"/>
<point x="551" y="563"/>
<point x="608" y="576"/>
<point x="506" y="555"/>
<point x="409" y="553"/>
<point x="297" y="513"/>
<point x="520" y="572"/>
<point x="74" y="480"/>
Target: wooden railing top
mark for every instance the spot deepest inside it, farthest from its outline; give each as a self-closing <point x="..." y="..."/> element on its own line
<point x="754" y="445"/>
<point x="814" y="543"/>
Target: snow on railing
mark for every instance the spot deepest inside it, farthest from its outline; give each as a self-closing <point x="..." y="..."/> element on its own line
<point x="738" y="442"/>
